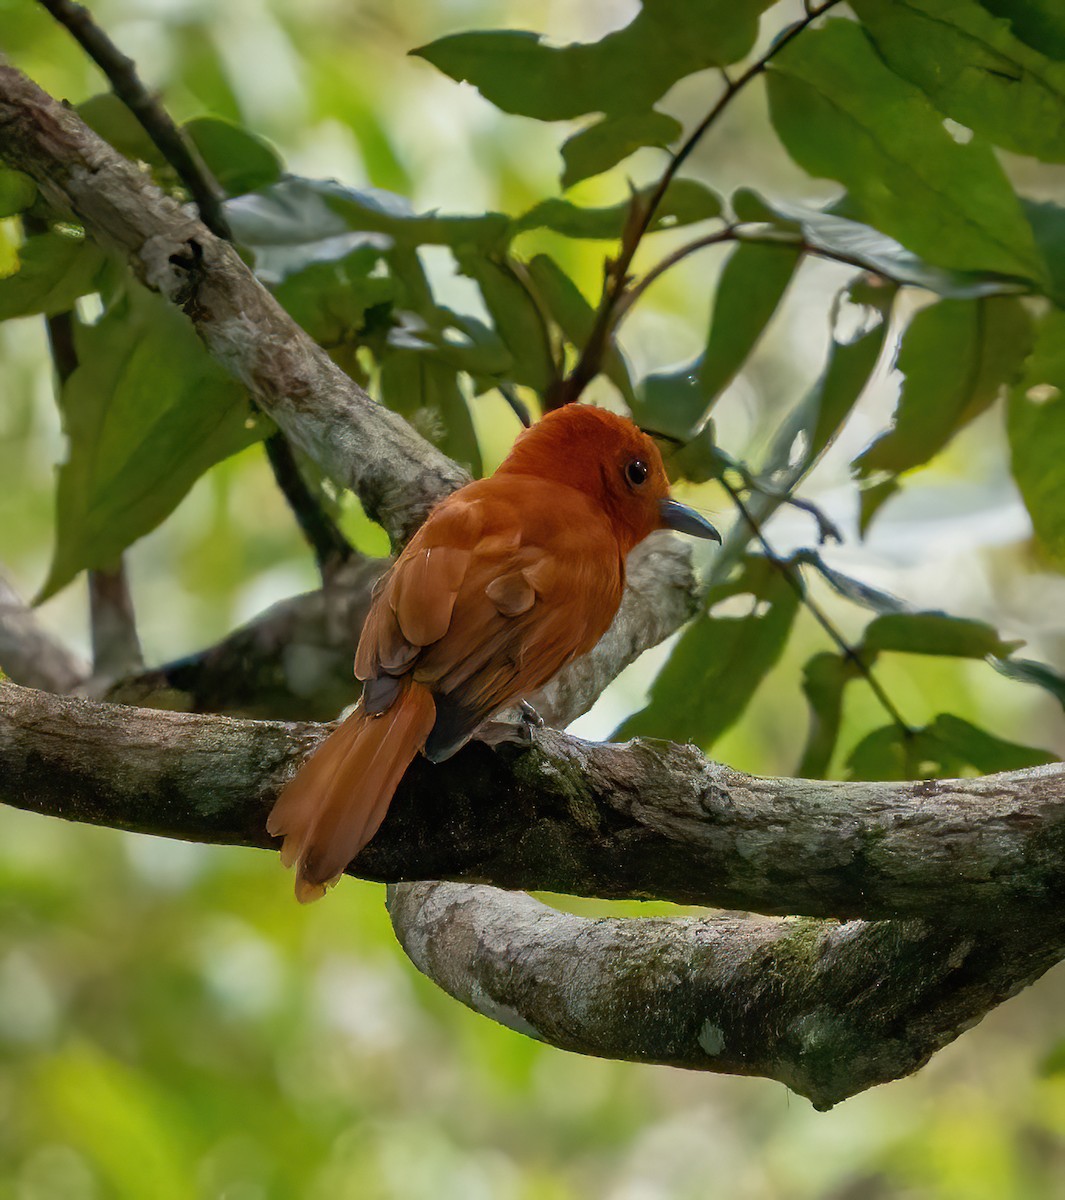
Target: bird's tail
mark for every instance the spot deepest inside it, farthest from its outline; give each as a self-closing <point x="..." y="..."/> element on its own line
<point x="339" y="797"/>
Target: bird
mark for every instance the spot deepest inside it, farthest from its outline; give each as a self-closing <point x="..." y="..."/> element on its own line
<point x="508" y="579"/>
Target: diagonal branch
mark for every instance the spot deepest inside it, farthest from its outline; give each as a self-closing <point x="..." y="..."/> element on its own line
<point x="616" y="278"/>
<point x="360" y="444"/>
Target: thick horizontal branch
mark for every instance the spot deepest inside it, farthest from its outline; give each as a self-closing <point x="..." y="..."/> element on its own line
<point x="827" y="1009"/>
<point x="360" y="444"/>
<point x="641" y="820"/>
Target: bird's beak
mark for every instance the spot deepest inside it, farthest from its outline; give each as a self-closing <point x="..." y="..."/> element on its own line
<point x="686" y="520"/>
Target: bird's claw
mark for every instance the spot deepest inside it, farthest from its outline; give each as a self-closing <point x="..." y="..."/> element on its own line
<point x="513" y="733"/>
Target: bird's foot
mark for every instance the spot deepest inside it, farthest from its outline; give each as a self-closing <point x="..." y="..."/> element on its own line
<point x="513" y="733"/>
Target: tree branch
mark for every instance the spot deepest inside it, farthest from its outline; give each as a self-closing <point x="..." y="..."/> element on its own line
<point x="642" y="820"/>
<point x="360" y="444"/>
<point x="28" y="654"/>
<point x="293" y="662"/>
<point x="827" y="1009"/>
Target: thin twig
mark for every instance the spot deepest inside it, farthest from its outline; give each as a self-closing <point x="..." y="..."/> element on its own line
<point x="172" y="144"/>
<point x="827" y="529"/>
<point x="328" y="543"/>
<point x="517" y="405"/>
<point x="817" y="612"/>
<point x="116" y="648"/>
<point x="331" y="548"/>
<point x="643" y="215"/>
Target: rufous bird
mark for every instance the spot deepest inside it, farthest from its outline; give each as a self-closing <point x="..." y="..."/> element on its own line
<point x="507" y="581"/>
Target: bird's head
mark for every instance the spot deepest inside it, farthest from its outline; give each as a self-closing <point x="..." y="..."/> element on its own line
<point x="608" y="458"/>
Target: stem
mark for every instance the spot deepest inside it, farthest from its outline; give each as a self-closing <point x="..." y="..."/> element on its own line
<point x="331" y="548"/>
<point x="643" y="214"/>
<point x="818" y="613"/>
<point x="116" y="648"/>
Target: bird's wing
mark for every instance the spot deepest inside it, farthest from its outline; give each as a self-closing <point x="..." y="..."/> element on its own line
<point x="495" y="593"/>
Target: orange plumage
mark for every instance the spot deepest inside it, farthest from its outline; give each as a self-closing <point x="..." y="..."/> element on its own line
<point x="509" y="579"/>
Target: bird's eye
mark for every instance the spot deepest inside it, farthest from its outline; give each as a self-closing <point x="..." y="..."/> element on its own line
<point x="636" y="472"/>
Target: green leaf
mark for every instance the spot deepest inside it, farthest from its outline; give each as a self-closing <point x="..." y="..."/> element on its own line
<point x="426" y="391"/>
<point x="17" y="192"/>
<point x="850" y="364"/>
<point x="146" y="413"/>
<point x="240" y="160"/>
<point x="1048" y="225"/>
<point x="1036" y="430"/>
<point x="843" y="114"/>
<point x="516" y="317"/>
<point x="974" y="69"/>
<point x="719" y="661"/>
<point x="957" y="356"/>
<point x="933" y="633"/>
<point x="463" y="342"/>
<point x="108" y="116"/>
<point x="872" y="499"/>
<point x="686" y="202"/>
<point x="824" y="678"/>
<point x="330" y="299"/>
<point x="891" y="753"/>
<point x="575" y="317"/>
<point x="833" y="235"/>
<point x="1025" y="670"/>
<point x="611" y="139"/>
<point x="749" y="291"/>
<point x="54" y="270"/>
<point x="982" y="750"/>
<point x="948" y="747"/>
<point x="1038" y="23"/>
<point x="625" y="72"/>
<point x="297" y="221"/>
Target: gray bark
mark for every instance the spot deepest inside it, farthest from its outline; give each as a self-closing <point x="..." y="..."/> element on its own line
<point x="638" y="821"/>
<point x="828" y="1009"/>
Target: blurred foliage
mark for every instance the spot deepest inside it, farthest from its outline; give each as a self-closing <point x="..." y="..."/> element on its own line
<point x="888" y="203"/>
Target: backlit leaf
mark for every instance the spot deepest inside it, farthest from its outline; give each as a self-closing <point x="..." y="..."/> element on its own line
<point x="236" y="157"/>
<point x="611" y="139"/>
<point x="824" y="678"/>
<point x="1036" y="429"/>
<point x="624" y="72"/>
<point x="844" y="115"/>
<point x="956" y="356"/>
<point x="17" y="192"/>
<point x="974" y="69"/>
<point x="54" y="270"/>
<point x="146" y="413"/>
<point x="933" y="633"/>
